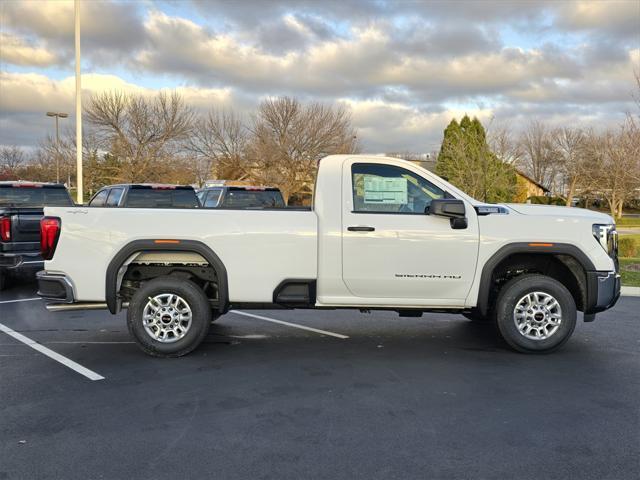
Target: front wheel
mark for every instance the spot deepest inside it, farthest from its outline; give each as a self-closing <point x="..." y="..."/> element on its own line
<point x="535" y="313"/>
<point x="169" y="317"/>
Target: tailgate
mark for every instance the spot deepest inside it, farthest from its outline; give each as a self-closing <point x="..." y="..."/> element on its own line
<point x="25" y="225"/>
<point x="25" y="230"/>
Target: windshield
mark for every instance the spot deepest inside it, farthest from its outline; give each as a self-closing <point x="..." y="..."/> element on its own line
<point x="34" y="197"/>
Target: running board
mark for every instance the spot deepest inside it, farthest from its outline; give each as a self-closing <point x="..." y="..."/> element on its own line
<point x="65" y="307"/>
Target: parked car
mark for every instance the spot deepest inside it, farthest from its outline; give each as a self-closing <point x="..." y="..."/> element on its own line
<point x="21" y="208"/>
<point x="233" y="196"/>
<point x="146" y="195"/>
<point x="383" y="234"/>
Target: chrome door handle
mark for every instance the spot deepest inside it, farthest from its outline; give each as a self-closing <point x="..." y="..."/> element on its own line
<point x="361" y="229"/>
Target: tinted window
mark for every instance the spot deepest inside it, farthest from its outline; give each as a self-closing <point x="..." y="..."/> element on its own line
<point x="34" y="197"/>
<point x="161" y="198"/>
<point x="114" y="197"/>
<point x="213" y="197"/>
<point x="389" y="189"/>
<point x="253" y="199"/>
<point x="99" y="199"/>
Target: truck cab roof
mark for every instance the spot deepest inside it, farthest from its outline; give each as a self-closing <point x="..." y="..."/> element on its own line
<point x="29" y="184"/>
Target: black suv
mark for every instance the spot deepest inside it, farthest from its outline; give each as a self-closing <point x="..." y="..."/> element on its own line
<point x="146" y="195"/>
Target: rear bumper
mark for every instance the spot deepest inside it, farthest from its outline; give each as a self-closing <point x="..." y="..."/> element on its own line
<point x="603" y="291"/>
<point x="55" y="287"/>
<point x="18" y="260"/>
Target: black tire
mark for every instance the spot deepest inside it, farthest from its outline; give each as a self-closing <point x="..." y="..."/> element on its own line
<point x="192" y="295"/>
<point x="3" y="280"/>
<point x="515" y="290"/>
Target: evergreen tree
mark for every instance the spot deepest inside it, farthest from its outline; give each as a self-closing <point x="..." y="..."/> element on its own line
<point x="466" y="161"/>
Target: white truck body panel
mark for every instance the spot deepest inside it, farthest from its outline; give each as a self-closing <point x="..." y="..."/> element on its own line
<point x="258" y="248"/>
<point x="408" y="261"/>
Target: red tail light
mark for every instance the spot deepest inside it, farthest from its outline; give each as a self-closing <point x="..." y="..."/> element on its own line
<point x="5" y="229"/>
<point x="49" y="233"/>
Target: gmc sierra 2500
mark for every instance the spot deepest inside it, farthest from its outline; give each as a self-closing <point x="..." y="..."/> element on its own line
<point x="382" y="234"/>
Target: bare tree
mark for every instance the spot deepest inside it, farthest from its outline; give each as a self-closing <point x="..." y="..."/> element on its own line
<point x="539" y="157"/>
<point x="143" y="133"/>
<point x="615" y="163"/>
<point x="219" y="142"/>
<point x="503" y="143"/>
<point x="290" y="138"/>
<point x="65" y="152"/>
<point x="569" y="146"/>
<point x="12" y="158"/>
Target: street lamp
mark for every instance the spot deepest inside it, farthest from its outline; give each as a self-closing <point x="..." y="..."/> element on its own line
<point x="57" y="115"/>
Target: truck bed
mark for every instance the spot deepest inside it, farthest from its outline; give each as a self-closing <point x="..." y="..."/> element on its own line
<point x="260" y="248"/>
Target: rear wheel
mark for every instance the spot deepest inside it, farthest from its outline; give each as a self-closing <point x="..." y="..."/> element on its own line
<point x="535" y="313"/>
<point x="3" y="280"/>
<point x="169" y="316"/>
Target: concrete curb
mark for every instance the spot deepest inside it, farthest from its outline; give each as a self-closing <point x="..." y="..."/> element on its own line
<point x="630" y="291"/>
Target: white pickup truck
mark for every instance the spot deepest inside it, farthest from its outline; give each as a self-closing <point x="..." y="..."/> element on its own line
<point x="382" y="234"/>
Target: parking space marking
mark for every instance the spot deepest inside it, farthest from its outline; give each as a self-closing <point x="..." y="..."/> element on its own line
<point x="90" y="374"/>
<point x="20" y="300"/>
<point x="91" y="343"/>
<point x="294" y="325"/>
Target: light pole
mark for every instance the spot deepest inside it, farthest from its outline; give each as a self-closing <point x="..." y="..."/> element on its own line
<point x="78" y="105"/>
<point x="57" y="115"/>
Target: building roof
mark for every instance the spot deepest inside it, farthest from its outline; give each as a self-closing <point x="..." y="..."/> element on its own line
<point x="531" y="180"/>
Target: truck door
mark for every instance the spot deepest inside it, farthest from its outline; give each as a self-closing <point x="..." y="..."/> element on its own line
<point x="392" y="249"/>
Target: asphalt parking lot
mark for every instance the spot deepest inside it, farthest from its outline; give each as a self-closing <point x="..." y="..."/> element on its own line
<point x="383" y="397"/>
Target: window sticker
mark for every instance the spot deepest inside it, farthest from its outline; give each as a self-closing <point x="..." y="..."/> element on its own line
<point x="381" y="190"/>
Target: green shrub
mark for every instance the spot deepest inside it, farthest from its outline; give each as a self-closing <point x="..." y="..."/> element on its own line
<point x="544" y="200"/>
<point x="628" y="247"/>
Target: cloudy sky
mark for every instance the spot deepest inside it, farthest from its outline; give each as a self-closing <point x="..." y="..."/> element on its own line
<point x="404" y="68"/>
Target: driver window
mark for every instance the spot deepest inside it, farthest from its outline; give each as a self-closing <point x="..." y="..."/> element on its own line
<point x="379" y="188"/>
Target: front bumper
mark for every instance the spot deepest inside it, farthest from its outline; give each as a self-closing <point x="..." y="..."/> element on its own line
<point x="603" y="291"/>
<point x="55" y="287"/>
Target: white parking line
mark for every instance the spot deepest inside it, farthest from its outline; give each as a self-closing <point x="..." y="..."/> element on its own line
<point x="288" y="324"/>
<point x="90" y="374"/>
<point x="21" y="300"/>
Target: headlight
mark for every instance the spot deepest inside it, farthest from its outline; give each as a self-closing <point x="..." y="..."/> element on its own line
<point x="607" y="237"/>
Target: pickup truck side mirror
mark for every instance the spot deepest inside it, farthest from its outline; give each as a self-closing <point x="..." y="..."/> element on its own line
<point x="451" y="208"/>
<point x="447" y="207"/>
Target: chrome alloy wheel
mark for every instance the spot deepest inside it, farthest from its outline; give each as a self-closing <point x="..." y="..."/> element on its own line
<point x="167" y="317"/>
<point x="537" y="316"/>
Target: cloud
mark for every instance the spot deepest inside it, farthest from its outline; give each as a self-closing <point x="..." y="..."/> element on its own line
<point x="109" y="29"/>
<point x="29" y="92"/>
<point x="390" y="127"/>
<point x="369" y="62"/>
<point x="404" y="68"/>
<point x="26" y="97"/>
<point x="616" y="18"/>
<point x="18" y="51"/>
<point x="286" y="33"/>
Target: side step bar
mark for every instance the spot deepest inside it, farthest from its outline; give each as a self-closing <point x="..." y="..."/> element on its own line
<point x="65" y="307"/>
